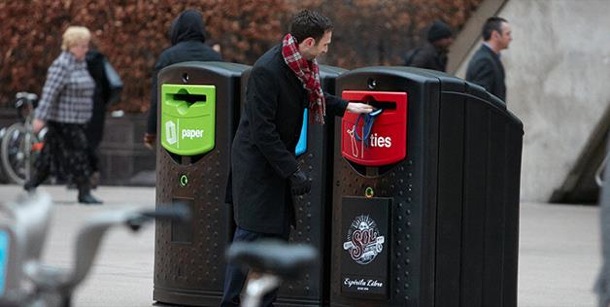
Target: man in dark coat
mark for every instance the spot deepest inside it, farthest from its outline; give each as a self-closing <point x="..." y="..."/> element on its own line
<point x="433" y="55"/>
<point x="485" y="67"/>
<point x="187" y="35"/>
<point x="265" y="172"/>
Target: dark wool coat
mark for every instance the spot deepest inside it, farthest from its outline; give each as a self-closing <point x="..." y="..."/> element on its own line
<point x="262" y="154"/>
<point x="95" y="127"/>
<point x="486" y="70"/>
<point x="188" y="44"/>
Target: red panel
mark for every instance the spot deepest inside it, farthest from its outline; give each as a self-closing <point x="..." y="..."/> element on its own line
<point x="387" y="143"/>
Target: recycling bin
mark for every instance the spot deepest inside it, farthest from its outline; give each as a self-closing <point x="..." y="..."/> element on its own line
<point x="197" y="119"/>
<point x="426" y="193"/>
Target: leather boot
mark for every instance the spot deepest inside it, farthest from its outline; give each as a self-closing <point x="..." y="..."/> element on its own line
<point x="84" y="193"/>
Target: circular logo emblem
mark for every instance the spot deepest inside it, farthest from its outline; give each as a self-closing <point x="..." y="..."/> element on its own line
<point x="369" y="192"/>
<point x="364" y="242"/>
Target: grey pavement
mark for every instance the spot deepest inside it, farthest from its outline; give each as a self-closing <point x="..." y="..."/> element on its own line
<point x="559" y="254"/>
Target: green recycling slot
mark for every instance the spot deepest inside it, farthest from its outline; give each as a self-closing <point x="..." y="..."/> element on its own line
<point x="188" y="118"/>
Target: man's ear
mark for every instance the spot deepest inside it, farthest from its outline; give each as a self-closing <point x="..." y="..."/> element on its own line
<point x="309" y="42"/>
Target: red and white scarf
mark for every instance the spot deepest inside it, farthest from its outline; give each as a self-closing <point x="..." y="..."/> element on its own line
<point x="309" y="74"/>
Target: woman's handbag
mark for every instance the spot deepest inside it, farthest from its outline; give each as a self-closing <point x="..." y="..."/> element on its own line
<point x="115" y="84"/>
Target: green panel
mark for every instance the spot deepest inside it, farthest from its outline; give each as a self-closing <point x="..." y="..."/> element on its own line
<point x="188" y="118"/>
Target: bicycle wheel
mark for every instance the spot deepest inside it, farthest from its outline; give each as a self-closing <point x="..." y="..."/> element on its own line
<point x="16" y="153"/>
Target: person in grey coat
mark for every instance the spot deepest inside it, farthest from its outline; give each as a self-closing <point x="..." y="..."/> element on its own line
<point x="485" y="67"/>
<point x="265" y="173"/>
<point x="65" y="108"/>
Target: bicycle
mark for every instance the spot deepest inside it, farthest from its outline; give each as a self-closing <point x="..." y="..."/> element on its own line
<point x="269" y="262"/>
<point x="25" y="280"/>
<point x="20" y="145"/>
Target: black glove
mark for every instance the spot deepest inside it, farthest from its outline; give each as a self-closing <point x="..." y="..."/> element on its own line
<point x="299" y="183"/>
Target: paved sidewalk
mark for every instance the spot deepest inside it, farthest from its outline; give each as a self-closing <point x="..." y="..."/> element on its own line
<point x="558" y="260"/>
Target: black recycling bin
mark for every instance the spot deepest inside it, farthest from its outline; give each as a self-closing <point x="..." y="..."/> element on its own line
<point x="426" y="193"/>
<point x="314" y="152"/>
<point x="197" y="118"/>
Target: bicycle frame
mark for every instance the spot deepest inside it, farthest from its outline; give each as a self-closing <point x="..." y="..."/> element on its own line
<point x="24" y="279"/>
<point x="23" y="228"/>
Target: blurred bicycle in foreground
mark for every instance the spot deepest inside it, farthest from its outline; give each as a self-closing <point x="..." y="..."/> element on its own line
<point x="25" y="280"/>
<point x="269" y="263"/>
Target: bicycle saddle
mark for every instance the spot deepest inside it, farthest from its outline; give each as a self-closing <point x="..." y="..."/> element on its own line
<point x="271" y="256"/>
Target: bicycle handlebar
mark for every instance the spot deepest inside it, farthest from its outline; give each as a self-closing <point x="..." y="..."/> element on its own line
<point x="26" y="95"/>
<point x="177" y="213"/>
<point x="276" y="257"/>
<point x="87" y="244"/>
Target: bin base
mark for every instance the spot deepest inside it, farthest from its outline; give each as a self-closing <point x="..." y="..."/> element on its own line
<point x="171" y="297"/>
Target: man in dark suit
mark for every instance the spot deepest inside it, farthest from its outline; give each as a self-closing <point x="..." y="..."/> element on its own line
<point x="265" y="173"/>
<point x="485" y="67"/>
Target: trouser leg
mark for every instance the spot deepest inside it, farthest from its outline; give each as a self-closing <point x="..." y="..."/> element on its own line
<point x="235" y="276"/>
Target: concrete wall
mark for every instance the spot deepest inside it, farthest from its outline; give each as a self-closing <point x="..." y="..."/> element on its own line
<point x="558" y="83"/>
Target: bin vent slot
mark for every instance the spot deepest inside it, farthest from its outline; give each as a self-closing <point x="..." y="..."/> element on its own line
<point x="385" y="105"/>
<point x="182" y="232"/>
<point x="190" y="98"/>
<point x="371" y="171"/>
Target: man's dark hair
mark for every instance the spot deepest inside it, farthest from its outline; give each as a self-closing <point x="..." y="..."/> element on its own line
<point x="308" y="23"/>
<point x="492" y="24"/>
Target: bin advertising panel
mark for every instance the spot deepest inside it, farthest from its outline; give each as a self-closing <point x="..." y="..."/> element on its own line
<point x="378" y="138"/>
<point x="365" y="233"/>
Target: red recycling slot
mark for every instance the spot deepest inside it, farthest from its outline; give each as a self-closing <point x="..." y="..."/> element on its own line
<point x="378" y="140"/>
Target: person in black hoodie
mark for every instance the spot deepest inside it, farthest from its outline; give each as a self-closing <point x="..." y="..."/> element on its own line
<point x="433" y="55"/>
<point x="187" y="35"/>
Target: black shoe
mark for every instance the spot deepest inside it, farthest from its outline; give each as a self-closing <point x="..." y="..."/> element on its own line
<point x="29" y="187"/>
<point x="88" y="199"/>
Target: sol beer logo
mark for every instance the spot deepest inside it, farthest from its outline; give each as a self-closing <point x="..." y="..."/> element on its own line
<point x="364" y="242"/>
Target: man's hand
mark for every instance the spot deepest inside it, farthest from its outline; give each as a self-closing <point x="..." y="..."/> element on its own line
<point x="150" y="140"/>
<point x="358" y="107"/>
<point x="299" y="183"/>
